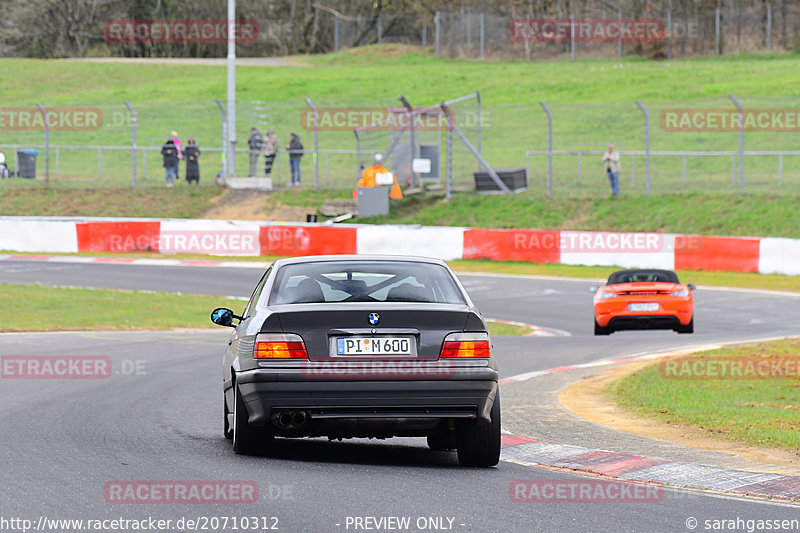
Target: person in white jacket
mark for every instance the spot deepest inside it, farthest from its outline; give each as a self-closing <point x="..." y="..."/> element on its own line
<point x="611" y="160"/>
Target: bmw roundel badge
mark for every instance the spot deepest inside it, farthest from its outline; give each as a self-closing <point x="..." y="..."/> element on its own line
<point x="374" y="318"/>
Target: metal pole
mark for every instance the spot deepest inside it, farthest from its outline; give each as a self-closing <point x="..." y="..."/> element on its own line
<point x="224" y="138"/>
<point x="483" y="36"/>
<point x="769" y="26"/>
<point x="741" y="142"/>
<point x="684" y="170"/>
<point x="412" y="140"/>
<point x="380" y="29"/>
<point x="133" y="143"/>
<point x="669" y="32"/>
<point x="335" y="33"/>
<point x="424" y="36"/>
<point x="572" y="38"/>
<point x="231" y="108"/>
<point x="619" y="41"/>
<point x="436" y="37"/>
<point x="480" y="123"/>
<point x="549" y="148"/>
<point x="449" y="162"/>
<point x="716" y="28"/>
<point x="646" y="145"/>
<point x="316" y="142"/>
<point x="489" y="170"/>
<point x="469" y="31"/>
<point x="46" y="117"/>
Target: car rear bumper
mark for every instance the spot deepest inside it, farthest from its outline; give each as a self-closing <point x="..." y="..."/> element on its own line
<point x="645" y="322"/>
<point x="366" y="407"/>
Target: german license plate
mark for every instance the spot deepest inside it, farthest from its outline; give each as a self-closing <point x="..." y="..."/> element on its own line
<point x="373" y="346"/>
<point x="648" y="306"/>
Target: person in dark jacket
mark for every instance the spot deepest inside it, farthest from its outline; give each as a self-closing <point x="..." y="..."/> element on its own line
<point x="295" y="149"/>
<point x="169" y="152"/>
<point x="191" y="155"/>
<point x="255" y="142"/>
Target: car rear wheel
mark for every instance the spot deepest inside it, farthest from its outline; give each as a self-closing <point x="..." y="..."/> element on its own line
<point x="688" y="328"/>
<point x="479" y="444"/>
<point x="599" y="330"/>
<point x="247" y="440"/>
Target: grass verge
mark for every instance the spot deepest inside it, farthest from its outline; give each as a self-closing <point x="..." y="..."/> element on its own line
<point x="62" y="309"/>
<point x="759" y="412"/>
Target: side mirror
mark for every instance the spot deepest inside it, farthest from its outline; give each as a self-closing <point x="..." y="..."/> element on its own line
<point x="692" y="287"/>
<point x="593" y="289"/>
<point x="223" y="317"/>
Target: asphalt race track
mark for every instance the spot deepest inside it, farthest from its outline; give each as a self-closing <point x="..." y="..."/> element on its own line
<point x="157" y="417"/>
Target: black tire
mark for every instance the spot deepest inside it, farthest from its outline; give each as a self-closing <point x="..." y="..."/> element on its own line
<point x="247" y="440"/>
<point x="479" y="444"/>
<point x="600" y="330"/>
<point x="688" y="328"/>
<point x="227" y="430"/>
<point x="442" y="442"/>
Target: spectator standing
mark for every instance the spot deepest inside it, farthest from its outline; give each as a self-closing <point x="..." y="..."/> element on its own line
<point x="295" y="149"/>
<point x="177" y="142"/>
<point x="270" y="149"/>
<point x="255" y="142"/>
<point x="192" y="154"/>
<point x="169" y="153"/>
<point x="611" y="160"/>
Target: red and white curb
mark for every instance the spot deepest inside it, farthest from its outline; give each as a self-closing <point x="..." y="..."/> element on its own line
<point x="535" y="331"/>
<point x="529" y="452"/>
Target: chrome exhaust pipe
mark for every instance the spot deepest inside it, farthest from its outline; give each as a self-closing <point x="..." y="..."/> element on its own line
<point x="289" y="419"/>
<point x="285" y="419"/>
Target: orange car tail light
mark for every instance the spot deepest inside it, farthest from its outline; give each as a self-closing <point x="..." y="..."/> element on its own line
<point x="280" y="346"/>
<point x="473" y="345"/>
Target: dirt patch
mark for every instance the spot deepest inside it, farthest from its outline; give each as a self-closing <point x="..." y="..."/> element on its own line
<point x="253" y="205"/>
<point x="588" y="400"/>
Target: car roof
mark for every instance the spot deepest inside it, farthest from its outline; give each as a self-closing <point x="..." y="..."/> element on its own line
<point x="669" y="274"/>
<point x="372" y="258"/>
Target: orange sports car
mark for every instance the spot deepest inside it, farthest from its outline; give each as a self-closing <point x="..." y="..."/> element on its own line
<point x="643" y="299"/>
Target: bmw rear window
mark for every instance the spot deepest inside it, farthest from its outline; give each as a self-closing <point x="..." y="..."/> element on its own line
<point x="340" y="281"/>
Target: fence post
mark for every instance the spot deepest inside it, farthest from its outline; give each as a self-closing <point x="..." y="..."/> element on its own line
<point x="669" y="32"/>
<point x="335" y="33"/>
<point x="646" y="146"/>
<point x="424" y="36"/>
<point x="741" y="142"/>
<point x="46" y="117"/>
<point x="412" y="139"/>
<point x="133" y="143"/>
<point x="436" y="24"/>
<point x="572" y="38"/>
<point x="483" y="36"/>
<point x="224" y="138"/>
<point x="316" y="142"/>
<point x="469" y="32"/>
<point x="480" y="123"/>
<point x="619" y="41"/>
<point x="716" y="29"/>
<point x="380" y="29"/>
<point x="449" y="161"/>
<point x="549" y="148"/>
<point x="769" y="26"/>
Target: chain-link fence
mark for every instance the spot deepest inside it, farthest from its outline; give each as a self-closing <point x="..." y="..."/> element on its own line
<point x="693" y="145"/>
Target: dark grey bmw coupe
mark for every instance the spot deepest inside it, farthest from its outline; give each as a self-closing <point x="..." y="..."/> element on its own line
<point x="353" y="346"/>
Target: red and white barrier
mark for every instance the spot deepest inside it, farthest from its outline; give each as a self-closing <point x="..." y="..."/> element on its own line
<point x="248" y="238"/>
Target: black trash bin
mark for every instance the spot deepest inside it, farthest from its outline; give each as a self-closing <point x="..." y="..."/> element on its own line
<point x="26" y="163"/>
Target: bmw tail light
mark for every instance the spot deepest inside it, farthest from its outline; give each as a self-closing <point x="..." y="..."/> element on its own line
<point x="473" y="345"/>
<point x="280" y="346"/>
